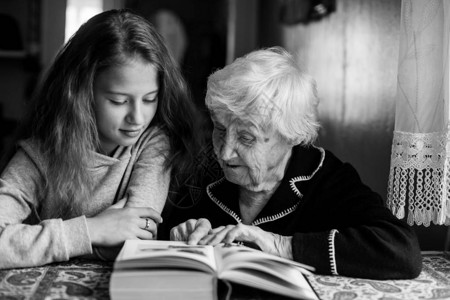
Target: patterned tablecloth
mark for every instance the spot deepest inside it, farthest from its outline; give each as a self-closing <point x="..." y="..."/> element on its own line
<point x="80" y="279"/>
<point x="432" y="283"/>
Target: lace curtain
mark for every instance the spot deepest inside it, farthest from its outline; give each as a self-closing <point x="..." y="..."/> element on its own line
<point x="419" y="179"/>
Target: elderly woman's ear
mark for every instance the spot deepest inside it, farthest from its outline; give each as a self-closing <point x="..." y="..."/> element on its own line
<point x="295" y="142"/>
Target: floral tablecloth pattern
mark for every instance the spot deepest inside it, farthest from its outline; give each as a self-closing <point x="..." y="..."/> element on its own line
<point x="432" y="283"/>
<point x="77" y="279"/>
<point x="83" y="279"/>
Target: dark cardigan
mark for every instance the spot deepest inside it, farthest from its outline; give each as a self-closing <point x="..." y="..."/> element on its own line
<point x="338" y="224"/>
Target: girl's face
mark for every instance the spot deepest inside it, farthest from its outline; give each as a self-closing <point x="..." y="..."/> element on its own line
<point x="125" y="102"/>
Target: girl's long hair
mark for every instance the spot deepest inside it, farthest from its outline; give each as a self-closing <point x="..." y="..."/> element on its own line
<point x="61" y="119"/>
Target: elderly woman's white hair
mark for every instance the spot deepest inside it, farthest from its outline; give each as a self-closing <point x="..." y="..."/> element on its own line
<point x="267" y="88"/>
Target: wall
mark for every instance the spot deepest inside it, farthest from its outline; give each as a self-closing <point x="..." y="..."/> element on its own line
<point x="353" y="55"/>
<point x="204" y="24"/>
<point x="18" y="62"/>
<point x="242" y="34"/>
<point x="13" y="69"/>
<point x="52" y="29"/>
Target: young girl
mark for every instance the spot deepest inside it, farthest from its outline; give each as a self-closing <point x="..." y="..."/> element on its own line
<point x="110" y="121"/>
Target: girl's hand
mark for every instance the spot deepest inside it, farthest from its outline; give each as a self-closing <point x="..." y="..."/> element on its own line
<point x="267" y="241"/>
<point x="118" y="223"/>
<point x="190" y="231"/>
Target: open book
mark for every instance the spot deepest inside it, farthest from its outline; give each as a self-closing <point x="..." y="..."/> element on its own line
<point x="175" y="270"/>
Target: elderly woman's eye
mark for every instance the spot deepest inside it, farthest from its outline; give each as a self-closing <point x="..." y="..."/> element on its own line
<point x="246" y="139"/>
<point x="219" y="129"/>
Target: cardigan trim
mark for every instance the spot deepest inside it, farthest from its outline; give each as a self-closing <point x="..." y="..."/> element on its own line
<point x="332" y="251"/>
<point x="277" y="216"/>
<point x="235" y="215"/>
<point x="294" y="180"/>
<point x="270" y="218"/>
<point x="220" y="203"/>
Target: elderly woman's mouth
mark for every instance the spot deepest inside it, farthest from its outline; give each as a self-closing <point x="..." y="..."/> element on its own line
<point x="232" y="166"/>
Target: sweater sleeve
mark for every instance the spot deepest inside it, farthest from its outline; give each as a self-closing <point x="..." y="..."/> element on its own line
<point x="149" y="180"/>
<point x="363" y="238"/>
<point x="25" y="239"/>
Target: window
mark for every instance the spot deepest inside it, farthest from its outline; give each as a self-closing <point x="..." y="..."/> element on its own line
<point x="78" y="12"/>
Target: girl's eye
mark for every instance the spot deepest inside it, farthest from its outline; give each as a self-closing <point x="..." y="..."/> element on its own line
<point x="151" y="100"/>
<point x="117" y="101"/>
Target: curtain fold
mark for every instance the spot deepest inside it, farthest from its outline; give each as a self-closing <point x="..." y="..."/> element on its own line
<point x="419" y="179"/>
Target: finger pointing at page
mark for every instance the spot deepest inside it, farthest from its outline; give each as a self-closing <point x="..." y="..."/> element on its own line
<point x="202" y="227"/>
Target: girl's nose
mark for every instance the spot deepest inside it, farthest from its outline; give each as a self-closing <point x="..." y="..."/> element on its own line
<point x="135" y="115"/>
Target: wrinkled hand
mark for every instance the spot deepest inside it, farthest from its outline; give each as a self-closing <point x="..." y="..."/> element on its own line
<point x="267" y="241"/>
<point x="191" y="231"/>
<point x="118" y="223"/>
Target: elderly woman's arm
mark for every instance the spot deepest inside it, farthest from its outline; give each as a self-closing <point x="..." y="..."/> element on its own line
<point x="350" y="231"/>
<point x="376" y="251"/>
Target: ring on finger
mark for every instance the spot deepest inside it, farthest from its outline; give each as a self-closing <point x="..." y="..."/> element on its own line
<point x="147" y="224"/>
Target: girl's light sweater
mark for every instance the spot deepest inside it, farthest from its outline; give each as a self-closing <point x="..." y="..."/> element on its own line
<point x="28" y="234"/>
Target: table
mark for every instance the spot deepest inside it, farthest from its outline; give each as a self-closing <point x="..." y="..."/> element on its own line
<point x="432" y="283"/>
<point x="84" y="279"/>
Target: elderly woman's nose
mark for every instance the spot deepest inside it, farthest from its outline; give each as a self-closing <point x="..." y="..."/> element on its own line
<point x="228" y="149"/>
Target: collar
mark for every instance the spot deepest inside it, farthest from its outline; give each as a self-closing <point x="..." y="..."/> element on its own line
<point x="304" y="164"/>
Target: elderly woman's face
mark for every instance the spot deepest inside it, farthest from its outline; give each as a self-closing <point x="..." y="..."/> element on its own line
<point x="249" y="156"/>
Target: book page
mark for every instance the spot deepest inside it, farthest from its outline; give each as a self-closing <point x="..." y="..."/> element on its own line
<point x="255" y="268"/>
<point x="142" y="254"/>
<point x="232" y="254"/>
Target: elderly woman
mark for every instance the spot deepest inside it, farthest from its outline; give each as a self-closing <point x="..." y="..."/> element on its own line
<point x="282" y="193"/>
